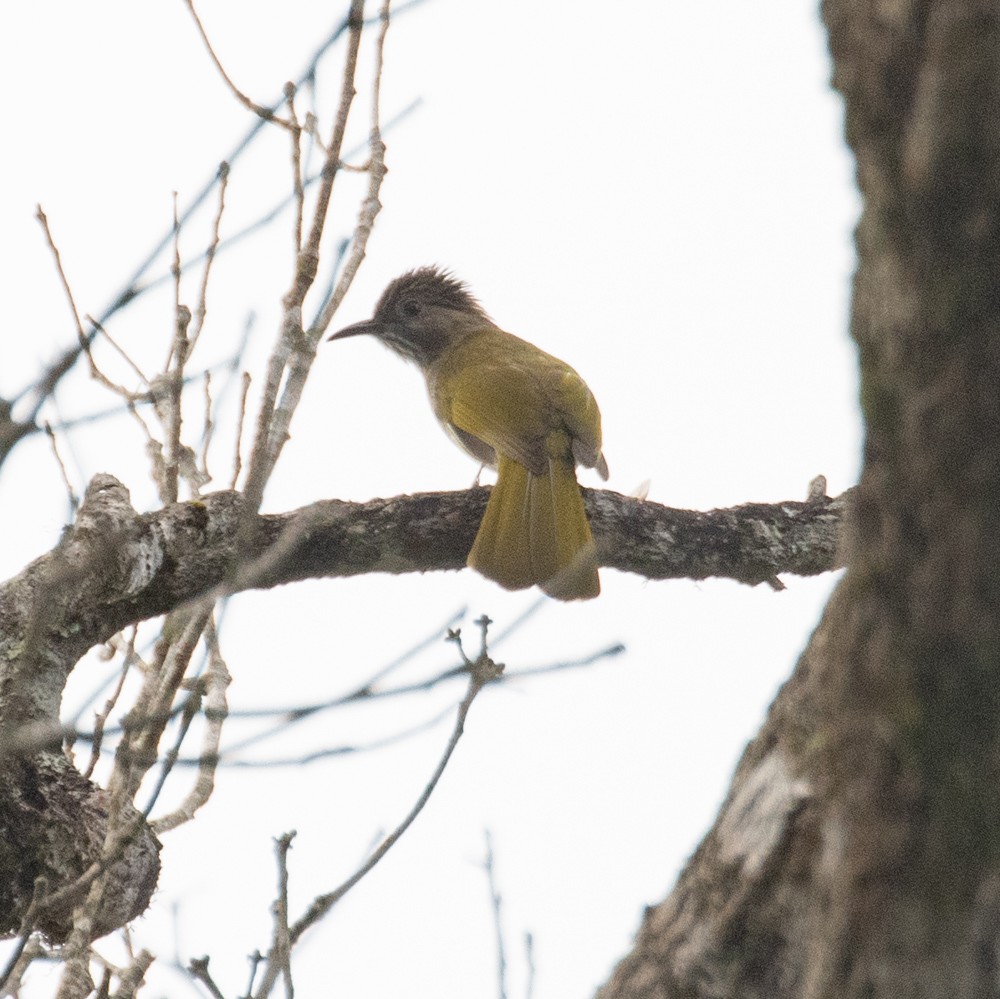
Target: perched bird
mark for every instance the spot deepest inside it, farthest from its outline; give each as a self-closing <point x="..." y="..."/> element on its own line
<point x="513" y="407"/>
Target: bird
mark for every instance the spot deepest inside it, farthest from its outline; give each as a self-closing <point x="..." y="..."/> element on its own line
<point x="512" y="407"/>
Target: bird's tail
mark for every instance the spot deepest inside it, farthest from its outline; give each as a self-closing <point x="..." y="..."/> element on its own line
<point x="535" y="531"/>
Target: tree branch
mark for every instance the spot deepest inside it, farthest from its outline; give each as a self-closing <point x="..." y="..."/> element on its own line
<point x="115" y="567"/>
<point x="127" y="567"/>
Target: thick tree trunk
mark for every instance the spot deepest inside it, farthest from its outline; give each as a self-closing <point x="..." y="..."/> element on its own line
<point x="857" y="851"/>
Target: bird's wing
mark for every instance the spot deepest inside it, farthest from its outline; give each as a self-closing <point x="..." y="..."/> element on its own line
<point x="519" y="401"/>
<point x="500" y="406"/>
<point x="578" y="411"/>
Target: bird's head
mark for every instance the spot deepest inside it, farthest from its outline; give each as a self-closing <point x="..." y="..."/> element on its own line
<point x="421" y="314"/>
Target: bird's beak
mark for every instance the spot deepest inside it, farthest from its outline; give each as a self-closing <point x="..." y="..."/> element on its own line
<point x="356" y="329"/>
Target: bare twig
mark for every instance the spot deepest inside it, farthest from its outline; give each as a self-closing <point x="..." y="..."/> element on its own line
<point x="323" y="754"/>
<point x="175" y="272"/>
<point x="201" y="309"/>
<point x="371" y="205"/>
<point x="237" y="460"/>
<point x="529" y="959"/>
<point x="496" y="900"/>
<point x="272" y="427"/>
<point x="96" y="327"/>
<point x="103" y="991"/>
<point x="198" y="969"/>
<point x="44" y="222"/>
<point x="281" y="947"/>
<point x="100" y="719"/>
<point x="258" y="109"/>
<point x="289" y="716"/>
<point x="29" y="741"/>
<point x="189" y="711"/>
<point x="272" y="213"/>
<point x="42" y="388"/>
<point x="298" y="191"/>
<point x="367" y="693"/>
<point x="154" y="448"/>
<point x="170" y="386"/>
<point x="75" y="980"/>
<point x="74" y="499"/>
<point x="482" y="671"/>
<point x="132" y="287"/>
<point x="207" y="431"/>
<point x="215" y="681"/>
<point x="148" y="718"/>
<point x="255" y="959"/>
<point x="131" y="979"/>
<point x="9" y="972"/>
<point x="83" y="339"/>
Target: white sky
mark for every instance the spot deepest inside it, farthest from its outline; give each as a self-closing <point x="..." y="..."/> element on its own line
<point x="657" y="193"/>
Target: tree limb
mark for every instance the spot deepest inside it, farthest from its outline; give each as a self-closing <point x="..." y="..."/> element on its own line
<point x="116" y="567"/>
<point x="125" y="567"/>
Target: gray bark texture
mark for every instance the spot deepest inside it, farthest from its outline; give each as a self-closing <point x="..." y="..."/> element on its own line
<point x="115" y="567"/>
<point x="857" y="853"/>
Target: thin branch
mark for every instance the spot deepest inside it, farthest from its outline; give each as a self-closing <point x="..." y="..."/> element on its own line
<point x="215" y="683"/>
<point x="103" y="990"/>
<point x="281" y="948"/>
<point x="101" y="718"/>
<point x="131" y="979"/>
<point x="201" y="309"/>
<point x="482" y="671"/>
<point x="44" y="222"/>
<point x="43" y="387"/>
<point x="279" y="418"/>
<point x="117" y="646"/>
<point x="496" y="900"/>
<point x="74" y="499"/>
<point x="168" y="399"/>
<point x="237" y="460"/>
<point x="132" y="288"/>
<point x="308" y="260"/>
<point x="529" y="960"/>
<point x="365" y="695"/>
<point x="290" y="716"/>
<point x="271" y="430"/>
<point x="175" y="273"/>
<point x="298" y="191"/>
<point x="258" y="109"/>
<point x="206" y="435"/>
<point x="145" y="723"/>
<point x="144" y="398"/>
<point x="189" y="711"/>
<point x="371" y="205"/>
<point x="198" y="969"/>
<point x="367" y="689"/>
<point x="315" y="756"/>
<point x="255" y="959"/>
<point x="83" y="339"/>
<point x="7" y="976"/>
<point x="275" y="211"/>
<point x="96" y="327"/>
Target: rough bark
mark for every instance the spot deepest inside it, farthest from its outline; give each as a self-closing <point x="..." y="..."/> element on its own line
<point x="858" y="853"/>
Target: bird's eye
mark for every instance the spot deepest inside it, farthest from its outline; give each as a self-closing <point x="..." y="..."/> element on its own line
<point x="410" y="308"/>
